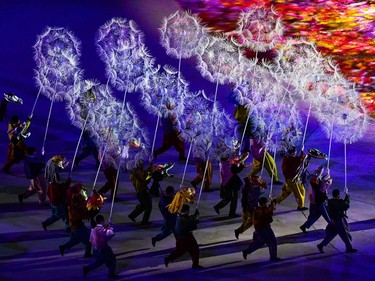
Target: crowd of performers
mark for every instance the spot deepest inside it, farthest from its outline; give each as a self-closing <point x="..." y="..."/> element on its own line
<point x="71" y="204"/>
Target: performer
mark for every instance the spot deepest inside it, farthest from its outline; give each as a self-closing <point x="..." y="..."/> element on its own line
<point x="257" y="149"/>
<point x="77" y="210"/>
<point x="17" y="148"/>
<point x="56" y="191"/>
<point x="318" y="195"/>
<point x="229" y="193"/>
<point x="263" y="233"/>
<point x="171" y="135"/>
<point x="169" y="222"/>
<point x="33" y="166"/>
<point x="110" y="173"/>
<point x="251" y="191"/>
<point x="140" y="177"/>
<point x="94" y="204"/>
<point x="160" y="172"/>
<point x="293" y="184"/>
<point x="337" y="208"/>
<point x="99" y="237"/>
<point x="88" y="147"/>
<point x="200" y="165"/>
<point x="185" y="240"/>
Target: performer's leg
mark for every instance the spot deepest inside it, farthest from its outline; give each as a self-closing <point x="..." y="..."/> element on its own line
<point x="299" y="192"/>
<point x="247" y="222"/>
<point x="270" y="166"/>
<point x="285" y="192"/>
<point x="314" y="215"/>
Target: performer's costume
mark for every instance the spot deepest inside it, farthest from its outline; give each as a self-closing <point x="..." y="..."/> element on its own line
<point x="200" y="165"/>
<point x="318" y="195"/>
<point x="56" y="192"/>
<point x="17" y="148"/>
<point x="169" y="222"/>
<point x="257" y="149"/>
<point x="171" y="137"/>
<point x="229" y="194"/>
<point x="293" y="184"/>
<point x="33" y="166"/>
<point x="77" y="210"/>
<point x="88" y="147"/>
<point x="339" y="225"/>
<point x="263" y="233"/>
<point x="185" y="240"/>
<point x="110" y="173"/>
<point x="99" y="237"/>
<point x="251" y="191"/>
<point x="140" y="179"/>
<point x="159" y="173"/>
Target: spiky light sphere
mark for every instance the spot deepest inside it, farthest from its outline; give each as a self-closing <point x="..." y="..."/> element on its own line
<point x="345" y="118"/>
<point x="182" y="35"/>
<point x="118" y="35"/>
<point x="259" y="29"/>
<point x="219" y="61"/>
<point x="57" y="53"/>
<point x="160" y="95"/>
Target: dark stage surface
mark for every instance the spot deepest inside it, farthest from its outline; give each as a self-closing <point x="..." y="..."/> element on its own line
<point x="27" y="252"/>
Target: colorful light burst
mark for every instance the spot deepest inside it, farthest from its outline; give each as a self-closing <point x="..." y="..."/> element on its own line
<point x="343" y="30"/>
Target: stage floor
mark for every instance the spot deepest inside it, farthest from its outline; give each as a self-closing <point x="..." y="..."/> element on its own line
<point x="27" y="252"/>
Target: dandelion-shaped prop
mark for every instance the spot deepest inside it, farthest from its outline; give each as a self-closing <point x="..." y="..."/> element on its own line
<point x="259" y="29"/>
<point x="278" y="117"/>
<point x="82" y="113"/>
<point x="120" y="45"/>
<point x="161" y="97"/>
<point x="300" y="64"/>
<point x="214" y="128"/>
<point x="57" y="53"/>
<point x="348" y="123"/>
<point x="131" y="144"/>
<point x="248" y="95"/>
<point x="196" y="107"/>
<point x="334" y="88"/>
<point x="219" y="62"/>
<point x="182" y="36"/>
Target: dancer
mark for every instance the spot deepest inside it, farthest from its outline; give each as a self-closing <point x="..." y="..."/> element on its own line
<point x="160" y="173"/>
<point x="110" y="173"/>
<point x="293" y="184"/>
<point x="57" y="191"/>
<point x="99" y="237"/>
<point x="200" y="165"/>
<point x="88" y="147"/>
<point x="171" y="135"/>
<point x="33" y="166"/>
<point x="77" y="210"/>
<point x="262" y="158"/>
<point x="169" y="222"/>
<point x="251" y="191"/>
<point x="230" y="191"/>
<point x="318" y="191"/>
<point x="17" y="149"/>
<point x="140" y="177"/>
<point x="263" y="233"/>
<point x="337" y="208"/>
<point x="185" y="240"/>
